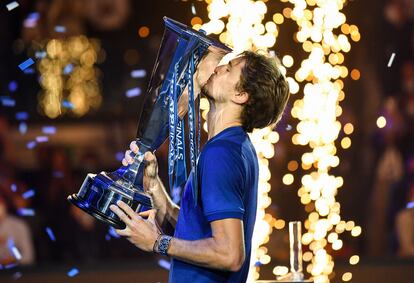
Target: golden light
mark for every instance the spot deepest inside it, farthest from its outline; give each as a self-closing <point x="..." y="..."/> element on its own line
<point x="348" y="128"/>
<point x="325" y="35"/>
<point x="381" y="122"/>
<point x="280" y="270"/>
<point x="347" y="276"/>
<point x="143" y="31"/>
<point x="68" y="77"/>
<point x="354" y="259"/>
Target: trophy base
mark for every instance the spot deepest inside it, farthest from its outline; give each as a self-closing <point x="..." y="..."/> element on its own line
<point x="73" y="199"/>
<point x="100" y="191"/>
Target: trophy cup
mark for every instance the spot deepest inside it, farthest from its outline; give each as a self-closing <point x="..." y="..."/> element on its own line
<point x="180" y="52"/>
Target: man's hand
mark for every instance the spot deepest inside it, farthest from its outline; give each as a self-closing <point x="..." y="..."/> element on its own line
<point x="139" y="231"/>
<point x="150" y="180"/>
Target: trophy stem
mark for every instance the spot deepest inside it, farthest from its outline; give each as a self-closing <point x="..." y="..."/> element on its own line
<point x="130" y="175"/>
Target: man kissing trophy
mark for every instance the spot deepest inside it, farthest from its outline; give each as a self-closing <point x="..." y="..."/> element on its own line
<point x="182" y="52"/>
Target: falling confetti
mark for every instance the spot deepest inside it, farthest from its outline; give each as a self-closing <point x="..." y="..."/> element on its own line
<point x="68" y="69"/>
<point x="49" y="130"/>
<point x="13" y="188"/>
<point x="410" y="204"/>
<point x="20" y="116"/>
<point x="73" y="272"/>
<point x="29" y="71"/>
<point x="193" y="9"/>
<point x="288" y="127"/>
<point x="28" y="194"/>
<point x="31" y="21"/>
<point x="12" y="5"/>
<point x="25" y="212"/>
<point x="41" y="139"/>
<point x="7" y="101"/>
<point x="26" y="64"/>
<point x="60" y="29"/>
<point x="67" y="104"/>
<point x="12" y="86"/>
<point x="23" y="128"/>
<point x="31" y="144"/>
<point x="391" y="60"/>
<point x="16" y="253"/>
<point x="113" y="233"/>
<point x="50" y="234"/>
<point x="164" y="264"/>
<point x="141" y="73"/>
<point x="40" y="54"/>
<point x="133" y="92"/>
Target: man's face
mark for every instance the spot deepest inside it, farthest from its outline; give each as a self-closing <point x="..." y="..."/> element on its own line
<point x="222" y="84"/>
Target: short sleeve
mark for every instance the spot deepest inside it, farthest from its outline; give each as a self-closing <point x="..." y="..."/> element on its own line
<point x="222" y="181"/>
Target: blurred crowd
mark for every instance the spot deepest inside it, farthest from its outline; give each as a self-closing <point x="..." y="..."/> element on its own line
<point x="390" y="225"/>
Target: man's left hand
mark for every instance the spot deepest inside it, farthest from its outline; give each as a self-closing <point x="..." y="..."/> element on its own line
<point x="141" y="232"/>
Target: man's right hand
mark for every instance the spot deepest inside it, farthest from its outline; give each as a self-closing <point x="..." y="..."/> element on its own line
<point x="151" y="180"/>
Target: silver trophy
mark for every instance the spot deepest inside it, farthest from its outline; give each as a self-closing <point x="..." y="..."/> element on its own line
<point x="181" y="50"/>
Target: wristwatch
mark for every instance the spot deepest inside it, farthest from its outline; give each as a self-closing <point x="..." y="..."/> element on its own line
<point x="162" y="244"/>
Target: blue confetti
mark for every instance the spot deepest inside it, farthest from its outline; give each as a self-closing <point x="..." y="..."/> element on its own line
<point x="107" y="237"/>
<point x="49" y="130"/>
<point x="16" y="253"/>
<point x="133" y="92"/>
<point x="288" y="127"/>
<point x="12" y="5"/>
<point x="73" y="272"/>
<point x="40" y="54"/>
<point x="41" y="139"/>
<point x="29" y="71"/>
<point x="50" y="234"/>
<point x="67" y="104"/>
<point x="164" y="264"/>
<point x="25" y="212"/>
<point x="20" y="116"/>
<point x="31" y="144"/>
<point x="139" y="73"/>
<point x="410" y="204"/>
<point x="23" y="128"/>
<point x="12" y="86"/>
<point x="31" y="20"/>
<point x="68" y="69"/>
<point x="26" y="64"/>
<point x="28" y="194"/>
<point x="60" y="29"/>
<point x="13" y="188"/>
<point x="113" y="233"/>
<point x="8" y="102"/>
<point x="58" y="174"/>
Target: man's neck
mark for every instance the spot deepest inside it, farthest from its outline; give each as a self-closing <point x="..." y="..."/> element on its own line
<point x="221" y="117"/>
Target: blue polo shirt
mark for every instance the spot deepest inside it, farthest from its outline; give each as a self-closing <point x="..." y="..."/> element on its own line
<point x="228" y="180"/>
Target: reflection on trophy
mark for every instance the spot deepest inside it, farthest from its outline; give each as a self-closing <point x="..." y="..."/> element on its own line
<point x="181" y="50"/>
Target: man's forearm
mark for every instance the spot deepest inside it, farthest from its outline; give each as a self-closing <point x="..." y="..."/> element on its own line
<point x="167" y="209"/>
<point x="207" y="253"/>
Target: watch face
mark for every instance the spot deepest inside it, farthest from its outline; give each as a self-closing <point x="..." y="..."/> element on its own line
<point x="164" y="244"/>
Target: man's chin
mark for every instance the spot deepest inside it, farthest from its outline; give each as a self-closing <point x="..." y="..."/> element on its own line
<point x="204" y="93"/>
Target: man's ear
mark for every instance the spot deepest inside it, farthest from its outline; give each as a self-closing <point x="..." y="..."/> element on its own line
<point x="241" y="98"/>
